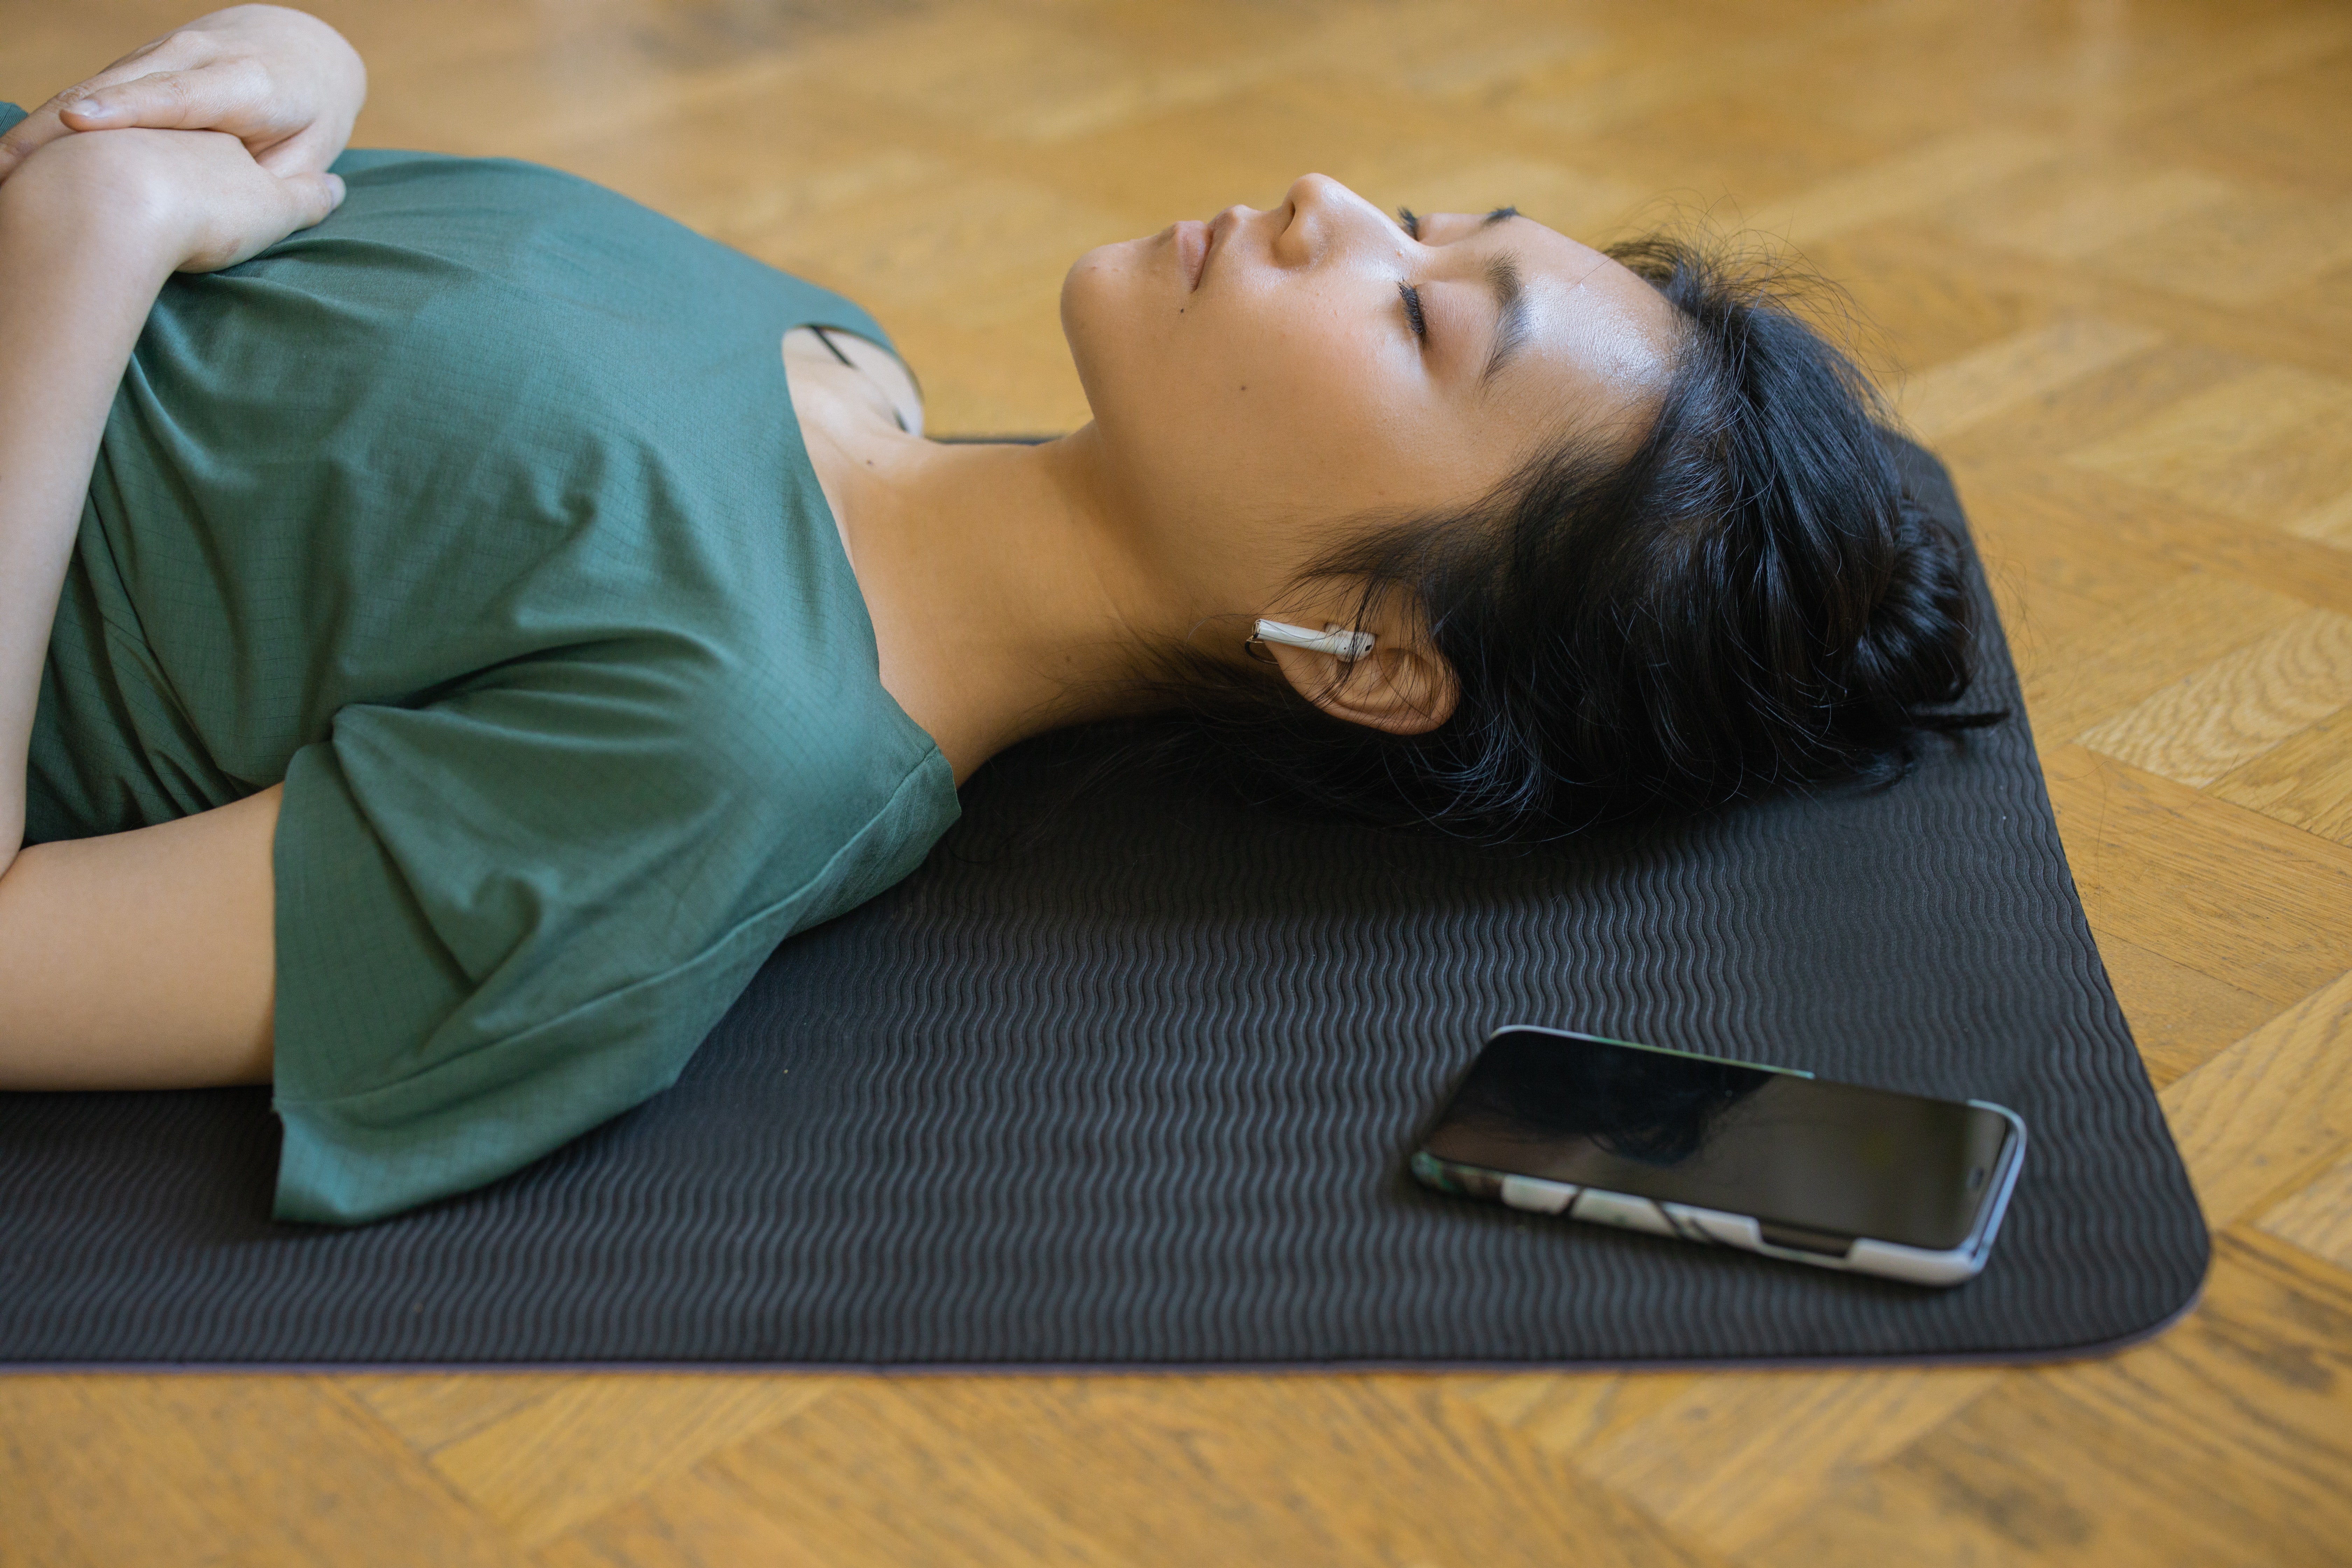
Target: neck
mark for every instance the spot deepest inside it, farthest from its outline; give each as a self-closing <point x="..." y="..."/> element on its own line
<point x="1006" y="601"/>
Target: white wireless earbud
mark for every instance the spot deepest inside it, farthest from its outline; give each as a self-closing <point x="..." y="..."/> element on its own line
<point x="1342" y="644"/>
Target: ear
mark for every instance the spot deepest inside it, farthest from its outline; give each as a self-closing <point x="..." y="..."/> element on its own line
<point x="1402" y="686"/>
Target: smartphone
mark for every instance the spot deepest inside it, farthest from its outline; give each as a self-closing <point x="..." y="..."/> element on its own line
<point x="1728" y="1154"/>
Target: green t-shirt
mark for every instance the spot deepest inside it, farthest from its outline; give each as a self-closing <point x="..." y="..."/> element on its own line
<point x="479" y="516"/>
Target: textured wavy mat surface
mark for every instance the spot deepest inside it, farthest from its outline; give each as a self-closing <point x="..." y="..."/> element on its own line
<point x="1133" y="1079"/>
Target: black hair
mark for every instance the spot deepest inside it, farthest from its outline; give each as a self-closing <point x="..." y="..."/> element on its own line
<point x="1745" y="601"/>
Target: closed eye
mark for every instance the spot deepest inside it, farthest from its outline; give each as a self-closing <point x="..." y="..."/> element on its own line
<point x="1413" y="310"/>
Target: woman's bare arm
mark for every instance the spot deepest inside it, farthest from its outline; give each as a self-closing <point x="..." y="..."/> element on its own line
<point x="97" y="209"/>
<point x="84" y="250"/>
<point x="140" y="959"/>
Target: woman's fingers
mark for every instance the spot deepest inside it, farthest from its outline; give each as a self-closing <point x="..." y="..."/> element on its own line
<point x="267" y="76"/>
<point x="258" y="214"/>
<point x="196" y="197"/>
<point x="307" y="151"/>
<point x="46" y="123"/>
<point x="30" y="135"/>
<point x="314" y="196"/>
<point x="234" y="96"/>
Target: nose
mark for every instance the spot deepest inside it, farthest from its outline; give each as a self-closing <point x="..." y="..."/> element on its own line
<point x="1316" y="191"/>
<point x="1326" y="213"/>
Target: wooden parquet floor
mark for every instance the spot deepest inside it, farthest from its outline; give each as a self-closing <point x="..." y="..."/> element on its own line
<point x="2105" y="253"/>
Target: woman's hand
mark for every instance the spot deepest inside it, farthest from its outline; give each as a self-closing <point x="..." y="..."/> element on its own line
<point x="285" y="84"/>
<point x="194" y="201"/>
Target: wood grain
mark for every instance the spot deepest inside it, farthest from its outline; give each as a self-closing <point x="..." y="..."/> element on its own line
<point x="2080" y="205"/>
<point x="2226" y="891"/>
<point x="2263" y="1115"/>
<point x="1732" y="1456"/>
<point x="2318" y="1219"/>
<point x="2230" y="711"/>
<point x="2136" y="649"/>
<point x="279" y="1470"/>
<point x="590" y="1443"/>
<point x="2330" y="522"/>
<point x="2267" y="446"/>
<point x="2179" y="1017"/>
<point x="2305" y="780"/>
<point x="1140" y="1471"/>
<point x="2000" y="376"/>
<point x="2223" y="1444"/>
<point x="2101" y="256"/>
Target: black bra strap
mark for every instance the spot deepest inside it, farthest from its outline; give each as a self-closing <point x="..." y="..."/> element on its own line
<point x="826" y="339"/>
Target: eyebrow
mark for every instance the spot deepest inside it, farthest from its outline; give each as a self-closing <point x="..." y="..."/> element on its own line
<point x="1510" y="291"/>
<point x="1498" y="216"/>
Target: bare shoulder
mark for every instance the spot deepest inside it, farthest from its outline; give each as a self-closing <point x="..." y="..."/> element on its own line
<point x="855" y="373"/>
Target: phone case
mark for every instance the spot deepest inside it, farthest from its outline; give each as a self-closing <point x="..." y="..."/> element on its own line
<point x="1714" y="1227"/>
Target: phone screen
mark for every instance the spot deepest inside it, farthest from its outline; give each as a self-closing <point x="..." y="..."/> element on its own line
<point x="1789" y="1150"/>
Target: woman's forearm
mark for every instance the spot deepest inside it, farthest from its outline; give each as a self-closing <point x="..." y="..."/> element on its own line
<point x="83" y="254"/>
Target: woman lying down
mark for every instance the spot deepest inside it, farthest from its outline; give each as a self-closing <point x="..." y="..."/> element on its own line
<point x="454" y="622"/>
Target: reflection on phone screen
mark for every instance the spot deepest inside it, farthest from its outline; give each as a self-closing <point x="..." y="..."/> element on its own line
<point x="1790" y="1151"/>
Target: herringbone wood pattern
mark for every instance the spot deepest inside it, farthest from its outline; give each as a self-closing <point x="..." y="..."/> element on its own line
<point x="2105" y="249"/>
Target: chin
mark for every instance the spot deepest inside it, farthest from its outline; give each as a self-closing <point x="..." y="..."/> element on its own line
<point x="1106" y="281"/>
<point x="1101" y="312"/>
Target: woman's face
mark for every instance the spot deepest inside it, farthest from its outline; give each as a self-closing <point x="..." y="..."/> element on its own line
<point x="1262" y="380"/>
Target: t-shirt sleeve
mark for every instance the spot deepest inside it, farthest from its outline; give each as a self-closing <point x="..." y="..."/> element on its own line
<point x="513" y="913"/>
<point x="9" y="115"/>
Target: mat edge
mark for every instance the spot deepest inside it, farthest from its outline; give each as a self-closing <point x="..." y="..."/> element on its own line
<point x="2053" y="1355"/>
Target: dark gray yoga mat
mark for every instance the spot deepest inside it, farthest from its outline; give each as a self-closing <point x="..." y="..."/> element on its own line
<point x="1129" y="1078"/>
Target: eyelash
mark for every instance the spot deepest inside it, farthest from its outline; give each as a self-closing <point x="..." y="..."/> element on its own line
<point x="1410" y="221"/>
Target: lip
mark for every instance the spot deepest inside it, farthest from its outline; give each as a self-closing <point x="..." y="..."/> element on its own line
<point x="1192" y="241"/>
